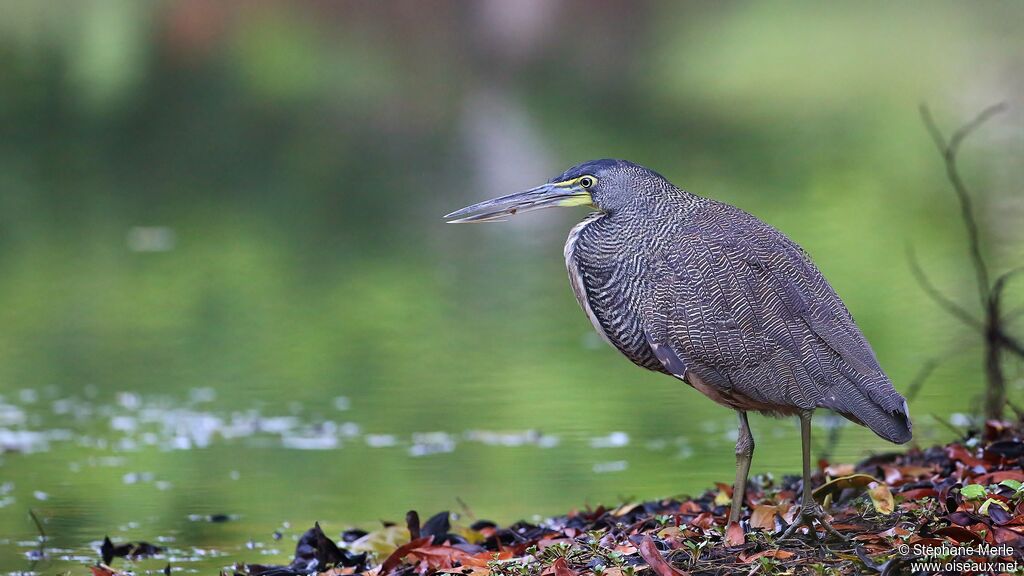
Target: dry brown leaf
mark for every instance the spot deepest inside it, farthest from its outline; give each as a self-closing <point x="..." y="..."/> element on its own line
<point x="625" y="509"/>
<point x="997" y="477"/>
<point x="893" y="475"/>
<point x="104" y="570"/>
<point x="395" y="559"/>
<point x="837" y="470"/>
<point x="763" y="517"/>
<point x="837" y="485"/>
<point x="777" y="553"/>
<point x="734" y="535"/>
<point x="881" y="497"/>
<point x="657" y="562"/>
<point x="704" y="520"/>
<point x="562" y="568"/>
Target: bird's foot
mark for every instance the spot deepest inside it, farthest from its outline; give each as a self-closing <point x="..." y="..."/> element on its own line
<point x="809" y="514"/>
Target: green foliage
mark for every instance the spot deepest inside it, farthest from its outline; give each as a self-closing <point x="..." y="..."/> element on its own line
<point x="303" y="161"/>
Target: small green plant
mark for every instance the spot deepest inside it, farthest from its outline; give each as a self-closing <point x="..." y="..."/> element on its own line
<point x="696" y="548"/>
<point x="768" y="564"/>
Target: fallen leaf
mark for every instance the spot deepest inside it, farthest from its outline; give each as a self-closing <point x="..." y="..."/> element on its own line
<point x="916" y="472"/>
<point x="396" y="557"/>
<point x="704" y="520"/>
<point x="734" y="535"/>
<point x="959" y="453"/>
<point x="763" y="517"/>
<point x="778" y="554"/>
<point x="892" y="475"/>
<point x="838" y="470"/>
<point x="562" y="568"/>
<point x="999" y="476"/>
<point x="959" y="534"/>
<point x="625" y="509"/>
<point x="104" y="570"/>
<point x="837" y="485"/>
<point x="919" y="493"/>
<point x="657" y="562"/>
<point x="722" y="498"/>
<point x="131" y="550"/>
<point x="881" y="497"/>
<point x="973" y="492"/>
<point x="985" y="506"/>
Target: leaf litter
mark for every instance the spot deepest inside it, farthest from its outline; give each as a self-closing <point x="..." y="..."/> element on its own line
<point x="966" y="493"/>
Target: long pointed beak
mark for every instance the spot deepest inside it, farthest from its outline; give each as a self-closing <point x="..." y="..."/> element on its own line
<point x="545" y="196"/>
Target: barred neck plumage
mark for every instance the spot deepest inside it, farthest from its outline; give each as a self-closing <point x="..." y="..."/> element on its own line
<point x="657" y="199"/>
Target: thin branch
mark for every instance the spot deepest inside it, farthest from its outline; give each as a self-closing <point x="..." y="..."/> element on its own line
<point x="1000" y="285"/>
<point x="919" y="379"/>
<point x="465" y="508"/>
<point x="1002" y="337"/>
<point x="39" y="525"/>
<point x="1010" y="343"/>
<point x="960" y="434"/>
<point x="981" y="118"/>
<point x="39" y="553"/>
<point x="949" y="151"/>
<point x="1012" y="315"/>
<point x="938" y="297"/>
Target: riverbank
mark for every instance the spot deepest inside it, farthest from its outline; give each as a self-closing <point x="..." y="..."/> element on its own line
<point x="961" y="504"/>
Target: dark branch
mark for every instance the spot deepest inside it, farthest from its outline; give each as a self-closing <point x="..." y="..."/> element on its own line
<point x="1010" y="343"/>
<point x="957" y="431"/>
<point x="1012" y="315"/>
<point x="1000" y="285"/>
<point x="966" y="129"/>
<point x="39" y="525"/>
<point x="919" y="379"/>
<point x="938" y="297"/>
<point x="1002" y="337"/>
<point x="949" y="151"/>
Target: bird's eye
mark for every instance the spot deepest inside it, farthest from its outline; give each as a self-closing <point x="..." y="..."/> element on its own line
<point x="587" y="181"/>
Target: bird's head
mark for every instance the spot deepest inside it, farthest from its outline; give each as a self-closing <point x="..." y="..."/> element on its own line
<point x="603" y="184"/>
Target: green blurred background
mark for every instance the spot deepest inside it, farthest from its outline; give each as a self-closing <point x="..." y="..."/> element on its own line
<point x="225" y="284"/>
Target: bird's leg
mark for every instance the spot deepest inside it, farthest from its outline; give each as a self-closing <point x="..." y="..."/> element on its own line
<point x="744" y="453"/>
<point x="809" y="510"/>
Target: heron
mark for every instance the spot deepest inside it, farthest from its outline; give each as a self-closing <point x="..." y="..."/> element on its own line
<point x="709" y="294"/>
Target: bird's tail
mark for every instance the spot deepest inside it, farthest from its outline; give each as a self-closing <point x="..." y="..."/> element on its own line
<point x="873" y="402"/>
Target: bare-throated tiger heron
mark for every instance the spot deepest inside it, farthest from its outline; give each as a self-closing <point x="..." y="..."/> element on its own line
<point x="707" y="293"/>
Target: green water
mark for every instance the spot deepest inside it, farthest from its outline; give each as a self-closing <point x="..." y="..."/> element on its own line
<point x="225" y="286"/>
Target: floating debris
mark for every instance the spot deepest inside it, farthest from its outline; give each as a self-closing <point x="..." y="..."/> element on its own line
<point x="131" y="550"/>
<point x="614" y="466"/>
<point x="613" y="440"/>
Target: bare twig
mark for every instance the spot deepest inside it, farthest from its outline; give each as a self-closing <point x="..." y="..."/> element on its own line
<point x="465" y="508"/>
<point x="1000" y="285"/>
<point x="922" y="375"/>
<point x="1011" y="344"/>
<point x="938" y="297"/>
<point x="948" y="151"/>
<point x="40" y="552"/>
<point x="997" y="340"/>
<point x="39" y="525"/>
<point x="959" y="433"/>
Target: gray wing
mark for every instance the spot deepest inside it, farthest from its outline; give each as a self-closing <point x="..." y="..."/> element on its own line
<point x="737" y="304"/>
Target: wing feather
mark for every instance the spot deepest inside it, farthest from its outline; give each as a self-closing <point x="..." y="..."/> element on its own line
<point x="743" y="308"/>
